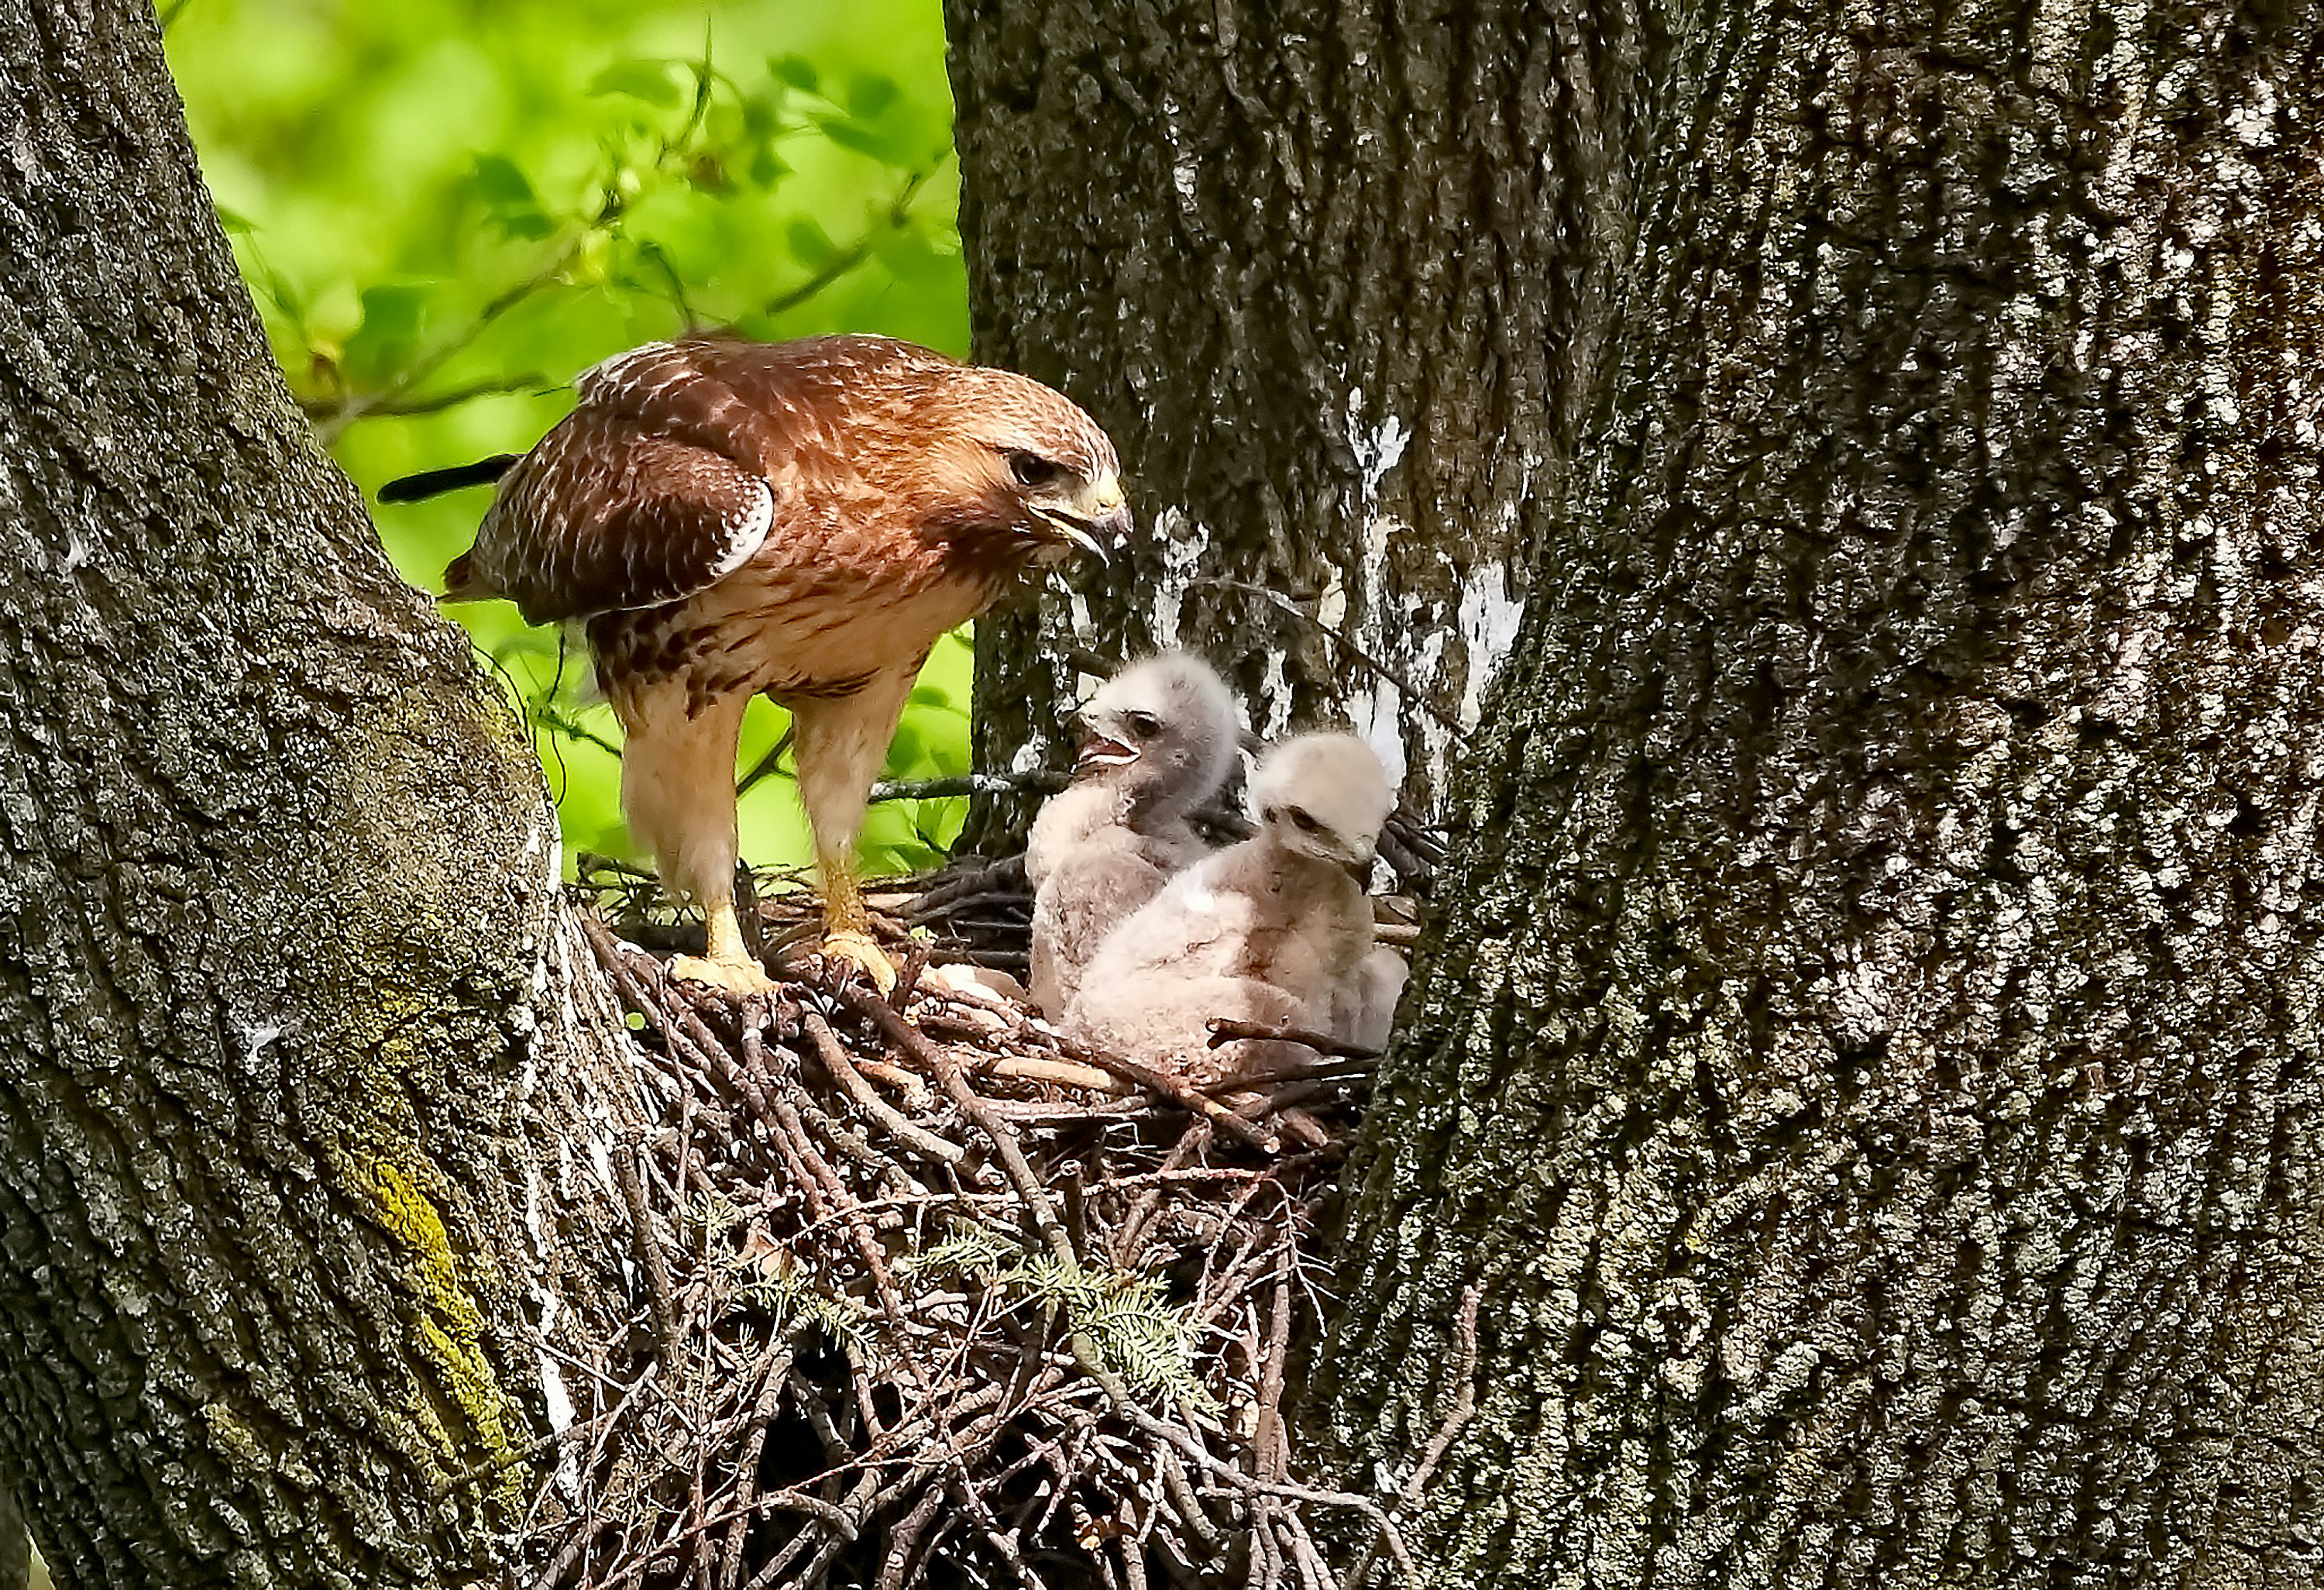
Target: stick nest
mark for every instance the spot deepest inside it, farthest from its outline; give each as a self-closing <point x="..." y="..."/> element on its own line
<point x="925" y="1294"/>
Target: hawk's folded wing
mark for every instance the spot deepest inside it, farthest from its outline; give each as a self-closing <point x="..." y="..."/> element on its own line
<point x="679" y="461"/>
<point x="653" y="488"/>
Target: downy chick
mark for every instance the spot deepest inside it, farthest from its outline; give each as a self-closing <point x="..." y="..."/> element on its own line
<point x="1159" y="740"/>
<point x="1276" y="930"/>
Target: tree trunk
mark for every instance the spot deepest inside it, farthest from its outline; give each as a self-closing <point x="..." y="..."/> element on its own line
<point x="1302" y="298"/>
<point x="15" y="1546"/>
<point x="1868" y="1058"/>
<point x="283" y="972"/>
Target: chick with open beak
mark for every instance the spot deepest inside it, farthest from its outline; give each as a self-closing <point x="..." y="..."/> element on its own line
<point x="1159" y="741"/>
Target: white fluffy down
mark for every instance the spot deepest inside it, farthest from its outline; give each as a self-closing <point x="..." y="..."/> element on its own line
<point x="1161" y="740"/>
<point x="1275" y="930"/>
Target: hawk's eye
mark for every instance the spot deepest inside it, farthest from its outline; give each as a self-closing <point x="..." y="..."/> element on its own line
<point x="1143" y="724"/>
<point x="1302" y="821"/>
<point x="1032" y="469"/>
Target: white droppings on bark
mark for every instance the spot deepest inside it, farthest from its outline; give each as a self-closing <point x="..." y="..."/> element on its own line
<point x="1379" y="452"/>
<point x="2255" y="124"/>
<point x="1376" y="453"/>
<point x="1276" y="689"/>
<point x="1331" y="603"/>
<point x="553" y="1393"/>
<point x="1183" y="170"/>
<point x="256" y="1041"/>
<point x="1182" y="542"/>
<point x="1488" y="619"/>
<point x="1375" y="717"/>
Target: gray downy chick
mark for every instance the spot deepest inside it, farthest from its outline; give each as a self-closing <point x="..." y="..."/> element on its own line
<point x="1276" y="930"/>
<point x="1159" y="739"/>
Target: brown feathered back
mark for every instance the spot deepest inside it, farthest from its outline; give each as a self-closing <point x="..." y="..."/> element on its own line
<point x="682" y="459"/>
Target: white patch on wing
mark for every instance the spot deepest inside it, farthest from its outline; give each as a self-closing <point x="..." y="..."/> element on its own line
<point x="746" y="535"/>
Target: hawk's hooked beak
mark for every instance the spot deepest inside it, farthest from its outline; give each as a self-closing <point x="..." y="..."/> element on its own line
<point x="1097" y="519"/>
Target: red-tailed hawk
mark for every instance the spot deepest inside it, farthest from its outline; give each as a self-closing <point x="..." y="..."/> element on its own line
<point x="801" y="519"/>
<point x="1159" y="741"/>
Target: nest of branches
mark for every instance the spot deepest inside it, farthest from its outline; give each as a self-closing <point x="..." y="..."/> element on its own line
<point x="926" y="1294"/>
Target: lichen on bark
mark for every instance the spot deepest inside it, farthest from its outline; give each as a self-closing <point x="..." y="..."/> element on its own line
<point x="287" y="1005"/>
<point x="1872" y="1066"/>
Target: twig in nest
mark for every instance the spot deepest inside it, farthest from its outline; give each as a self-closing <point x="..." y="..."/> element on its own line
<point x="1187" y="1097"/>
<point x="967" y="1382"/>
<point x="843" y="1072"/>
<point x="1224" y="1031"/>
<point x="898" y="1032"/>
<point x="646" y="1246"/>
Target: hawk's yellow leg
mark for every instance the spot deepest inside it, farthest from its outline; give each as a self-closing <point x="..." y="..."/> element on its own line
<point x="728" y="964"/>
<point x="847" y="928"/>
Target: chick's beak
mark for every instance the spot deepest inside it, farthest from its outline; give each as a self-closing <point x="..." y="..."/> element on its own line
<point x="1096" y="519"/>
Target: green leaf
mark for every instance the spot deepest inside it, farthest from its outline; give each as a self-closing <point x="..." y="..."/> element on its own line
<point x="767" y="167"/>
<point x="649" y="80"/>
<point x="889" y="145"/>
<point x="870" y="95"/>
<point x="797" y="72"/>
<point x="393" y="316"/>
<point x="911" y="258"/>
<point x="508" y="197"/>
<point x="235" y="221"/>
<point x="760" y="115"/>
<point x="498" y="182"/>
<point x="810" y="244"/>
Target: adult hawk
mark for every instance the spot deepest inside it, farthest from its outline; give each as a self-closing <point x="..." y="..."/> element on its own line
<point x="800" y="519"/>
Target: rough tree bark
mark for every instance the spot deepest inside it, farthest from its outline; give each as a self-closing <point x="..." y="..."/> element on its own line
<point x="1870" y="1054"/>
<point x="283" y="982"/>
<point x="1299" y="297"/>
<point x="15" y="1546"/>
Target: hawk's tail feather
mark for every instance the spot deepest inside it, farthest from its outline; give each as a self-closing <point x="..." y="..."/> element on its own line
<point x="430" y="483"/>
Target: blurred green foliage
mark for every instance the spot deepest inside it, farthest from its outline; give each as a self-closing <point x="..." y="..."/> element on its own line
<point x="446" y="209"/>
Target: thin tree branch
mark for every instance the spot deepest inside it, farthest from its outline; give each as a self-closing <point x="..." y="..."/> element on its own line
<point x="893" y="219"/>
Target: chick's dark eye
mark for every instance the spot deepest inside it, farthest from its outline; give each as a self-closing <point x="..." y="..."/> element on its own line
<point x="1142" y="724"/>
<point x="1302" y="821"/>
<point x="1032" y="469"/>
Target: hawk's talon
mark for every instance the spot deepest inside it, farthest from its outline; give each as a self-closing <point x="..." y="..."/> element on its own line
<point x="856" y="948"/>
<point x="739" y="975"/>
